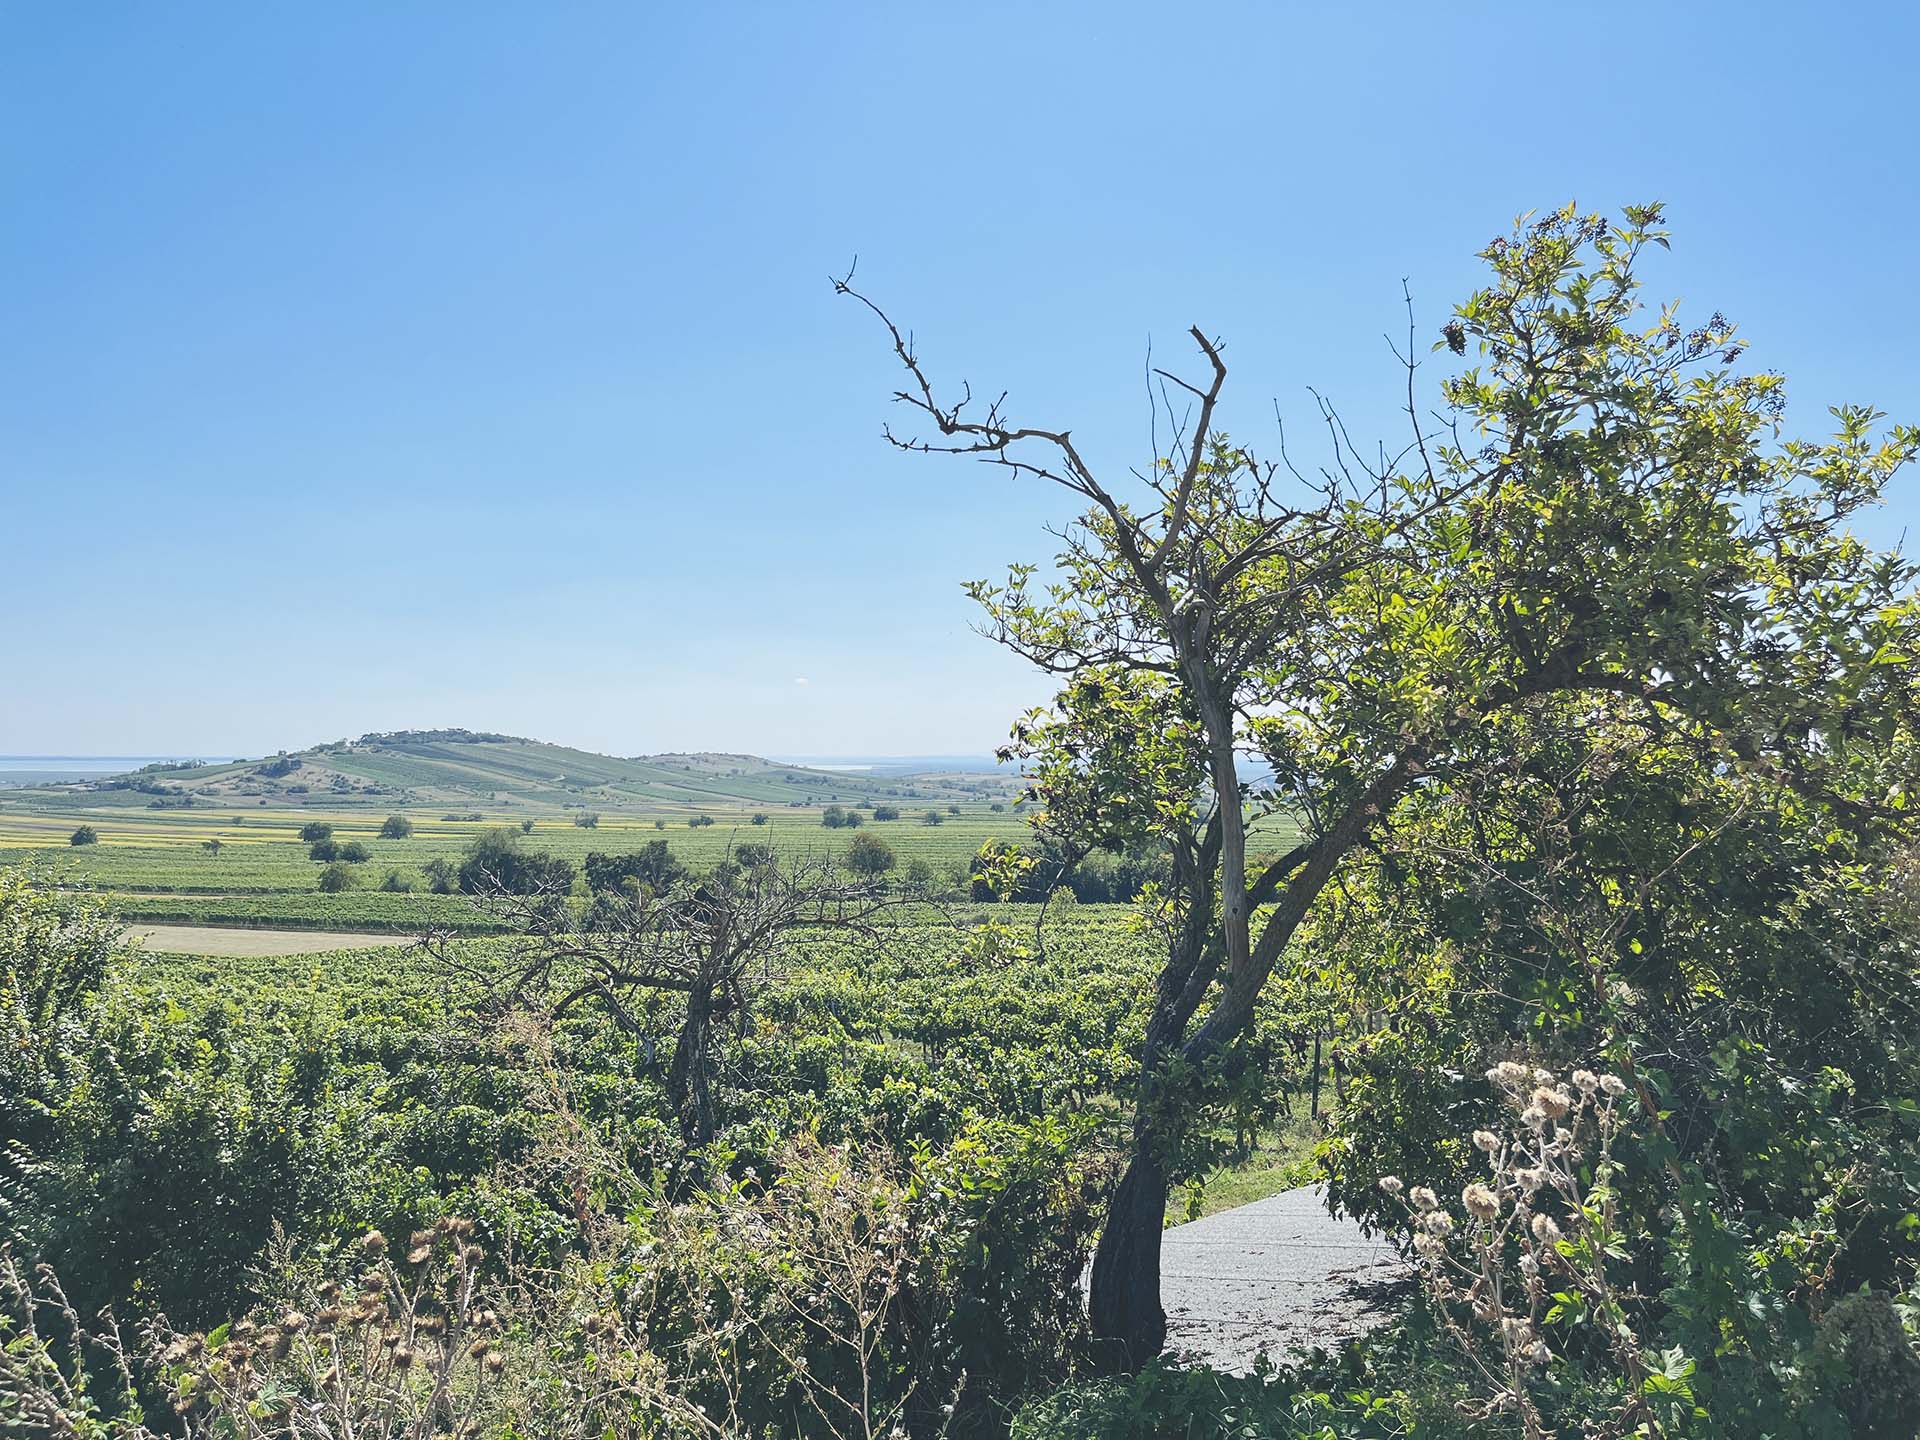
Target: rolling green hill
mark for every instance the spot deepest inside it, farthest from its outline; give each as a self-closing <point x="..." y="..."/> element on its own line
<point x="504" y="772"/>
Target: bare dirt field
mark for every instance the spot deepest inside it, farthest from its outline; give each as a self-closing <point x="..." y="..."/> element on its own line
<point x="205" y="940"/>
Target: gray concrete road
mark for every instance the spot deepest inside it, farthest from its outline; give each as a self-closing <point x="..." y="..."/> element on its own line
<point x="1268" y="1278"/>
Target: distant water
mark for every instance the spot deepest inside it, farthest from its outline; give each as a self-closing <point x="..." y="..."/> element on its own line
<point x="97" y="764"/>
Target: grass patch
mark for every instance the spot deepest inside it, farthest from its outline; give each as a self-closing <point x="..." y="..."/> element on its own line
<point x="1281" y="1159"/>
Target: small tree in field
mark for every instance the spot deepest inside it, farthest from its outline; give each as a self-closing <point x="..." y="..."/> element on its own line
<point x="336" y="877"/>
<point x="715" y="941"/>
<point x="587" y="820"/>
<point x="396" y="827"/>
<point x="316" y="830"/>
<point x="933" y="817"/>
<point x="759" y="819"/>
<point x="213" y="846"/>
<point x="526" y="827"/>
<point x="1602" y="516"/>
<point x="870" y="856"/>
<point x="886" y="812"/>
<point x="85" y="835"/>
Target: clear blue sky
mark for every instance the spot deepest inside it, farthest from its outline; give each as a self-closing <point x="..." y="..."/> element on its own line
<point x="370" y="365"/>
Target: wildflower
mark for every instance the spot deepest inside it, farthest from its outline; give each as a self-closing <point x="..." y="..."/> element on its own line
<point x="1545" y="1230"/>
<point x="1613" y="1085"/>
<point x="1486" y="1140"/>
<point x="1554" y="1103"/>
<point x="1424" y="1199"/>
<point x="1429" y="1246"/>
<point x="1438" y="1222"/>
<point x="1533" y="1117"/>
<point x="1531" y="1178"/>
<point x="1586" y="1081"/>
<point x="1391" y="1184"/>
<point x="1480" y="1201"/>
<point x="1508" y="1074"/>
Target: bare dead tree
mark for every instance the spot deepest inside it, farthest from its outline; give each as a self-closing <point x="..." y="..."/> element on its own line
<point x="715" y="941"/>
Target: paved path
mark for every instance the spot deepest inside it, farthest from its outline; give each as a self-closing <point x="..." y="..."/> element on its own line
<point x="1278" y="1275"/>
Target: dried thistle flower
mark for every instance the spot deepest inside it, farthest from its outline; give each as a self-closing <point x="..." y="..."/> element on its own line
<point x="1545" y="1230"/>
<point x="1424" y="1198"/>
<point x="1480" y="1201"/>
<point x="373" y="1243"/>
<point x="1391" y="1184"/>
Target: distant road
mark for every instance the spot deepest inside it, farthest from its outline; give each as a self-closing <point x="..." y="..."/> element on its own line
<point x="207" y="940"/>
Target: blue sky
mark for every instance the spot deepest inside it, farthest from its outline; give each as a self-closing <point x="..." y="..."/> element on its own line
<point x="366" y="365"/>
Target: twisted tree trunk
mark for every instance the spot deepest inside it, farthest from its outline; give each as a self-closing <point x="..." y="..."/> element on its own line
<point x="689" y="1077"/>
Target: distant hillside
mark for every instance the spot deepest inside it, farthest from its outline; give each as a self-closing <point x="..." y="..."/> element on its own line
<point x="482" y="769"/>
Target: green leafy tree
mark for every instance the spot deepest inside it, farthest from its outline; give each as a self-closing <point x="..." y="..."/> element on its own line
<point x="496" y="863"/>
<point x="759" y="819"/>
<point x="316" y="830"/>
<point x="213" y="846"/>
<point x="886" y="812"/>
<point x="1604" y="517"/>
<point x="870" y="856"/>
<point x="323" y="851"/>
<point x="84" y="835"/>
<point x="336" y="877"/>
<point x="396" y="827"/>
<point x="355" y="852"/>
<point x="653" y="865"/>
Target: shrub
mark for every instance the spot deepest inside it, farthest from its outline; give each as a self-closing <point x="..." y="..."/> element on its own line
<point x="886" y="812"/>
<point x="394" y="883"/>
<point x="652" y="865"/>
<point x="526" y="827"/>
<point x="838" y="817"/>
<point x="316" y="830"/>
<point x="323" y="850"/>
<point x="441" y="877"/>
<point x="355" y="852"/>
<point x="85" y="835"/>
<point x="587" y="820"/>
<point x="759" y="819"/>
<point x="396" y="827"/>
<point x="335" y="878"/>
<point x="933" y="817"/>
<point x="699" y="822"/>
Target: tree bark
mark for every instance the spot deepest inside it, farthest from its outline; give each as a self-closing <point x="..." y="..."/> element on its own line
<point x="1124" y="1303"/>
<point x="688" y="1081"/>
